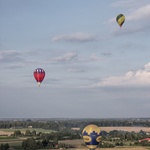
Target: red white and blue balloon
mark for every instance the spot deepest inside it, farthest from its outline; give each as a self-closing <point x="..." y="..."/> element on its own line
<point x="39" y="75"/>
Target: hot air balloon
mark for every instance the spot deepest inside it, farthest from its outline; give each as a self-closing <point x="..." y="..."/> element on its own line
<point x="39" y="75"/>
<point x="91" y="136"/>
<point x="120" y="19"/>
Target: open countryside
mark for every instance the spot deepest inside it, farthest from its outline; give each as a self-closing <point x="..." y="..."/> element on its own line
<point x="11" y="131"/>
<point x="107" y="129"/>
<point x="129" y="129"/>
<point x="78" y="143"/>
<point x="67" y="133"/>
<point x="75" y="75"/>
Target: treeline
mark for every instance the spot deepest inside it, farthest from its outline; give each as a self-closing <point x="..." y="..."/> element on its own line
<point x="121" y="136"/>
<point x="31" y="143"/>
<point x="4" y="146"/>
<point x="58" y="124"/>
<point x="59" y="135"/>
<point x="39" y="140"/>
<point x="51" y="140"/>
<point x="114" y="135"/>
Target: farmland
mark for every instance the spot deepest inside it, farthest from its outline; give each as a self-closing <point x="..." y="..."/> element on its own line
<point x="11" y="131"/>
<point x="107" y="129"/>
<point x="124" y="135"/>
<point x="129" y="129"/>
<point x="78" y="144"/>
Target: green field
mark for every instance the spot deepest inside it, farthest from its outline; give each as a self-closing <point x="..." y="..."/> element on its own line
<point x="17" y="141"/>
<point x="23" y="130"/>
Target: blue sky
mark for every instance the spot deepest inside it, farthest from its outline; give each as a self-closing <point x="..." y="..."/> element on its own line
<point x="93" y="68"/>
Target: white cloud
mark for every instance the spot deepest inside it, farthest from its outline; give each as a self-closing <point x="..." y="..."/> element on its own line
<point x="74" y="69"/>
<point x="131" y="30"/>
<point x="65" y="58"/>
<point x="77" y="37"/>
<point x="10" y="56"/>
<point x="94" y="57"/>
<point x="140" y="77"/>
<point x="139" y="14"/>
<point x="106" y="54"/>
<point x="129" y="3"/>
<point x="70" y="56"/>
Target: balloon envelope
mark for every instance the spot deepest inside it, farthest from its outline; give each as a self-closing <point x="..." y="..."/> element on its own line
<point x="91" y="136"/>
<point x="120" y="19"/>
<point x="39" y="75"/>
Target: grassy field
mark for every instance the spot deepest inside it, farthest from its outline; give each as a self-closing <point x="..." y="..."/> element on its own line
<point x="107" y="129"/>
<point x="23" y="130"/>
<point x="18" y="140"/>
<point x="129" y="129"/>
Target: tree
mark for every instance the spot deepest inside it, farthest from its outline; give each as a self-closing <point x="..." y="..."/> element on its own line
<point x="105" y="145"/>
<point x="33" y="132"/>
<point x="44" y="142"/>
<point x="30" y="143"/>
<point x="144" y="143"/>
<point x="4" y="146"/>
<point x="17" y="133"/>
<point x="39" y="144"/>
<point x="24" y="144"/>
<point x="28" y="133"/>
<point x="62" y="145"/>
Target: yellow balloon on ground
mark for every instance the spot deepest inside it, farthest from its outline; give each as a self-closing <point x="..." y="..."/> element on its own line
<point x="91" y="136"/>
<point x="120" y="19"/>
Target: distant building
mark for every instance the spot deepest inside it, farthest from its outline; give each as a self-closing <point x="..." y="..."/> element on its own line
<point x="75" y="128"/>
<point x="29" y="126"/>
<point x="146" y="139"/>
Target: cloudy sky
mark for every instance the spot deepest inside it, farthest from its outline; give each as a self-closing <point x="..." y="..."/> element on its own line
<point x="93" y="68"/>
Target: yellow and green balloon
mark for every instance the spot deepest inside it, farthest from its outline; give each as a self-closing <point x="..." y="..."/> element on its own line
<point x="91" y="135"/>
<point x="120" y="19"/>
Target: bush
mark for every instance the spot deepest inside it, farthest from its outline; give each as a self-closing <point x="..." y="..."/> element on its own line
<point x="106" y="145"/>
<point x="30" y="143"/>
<point x="145" y="143"/>
<point x="4" y="146"/>
<point x="119" y="144"/>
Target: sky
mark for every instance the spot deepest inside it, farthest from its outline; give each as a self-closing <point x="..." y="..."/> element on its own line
<point x="94" y="68"/>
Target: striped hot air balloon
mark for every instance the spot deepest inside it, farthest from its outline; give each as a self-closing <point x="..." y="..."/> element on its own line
<point x="120" y="19"/>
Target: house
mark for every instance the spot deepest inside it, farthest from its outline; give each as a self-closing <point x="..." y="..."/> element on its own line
<point x="75" y="129"/>
<point x="146" y="139"/>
